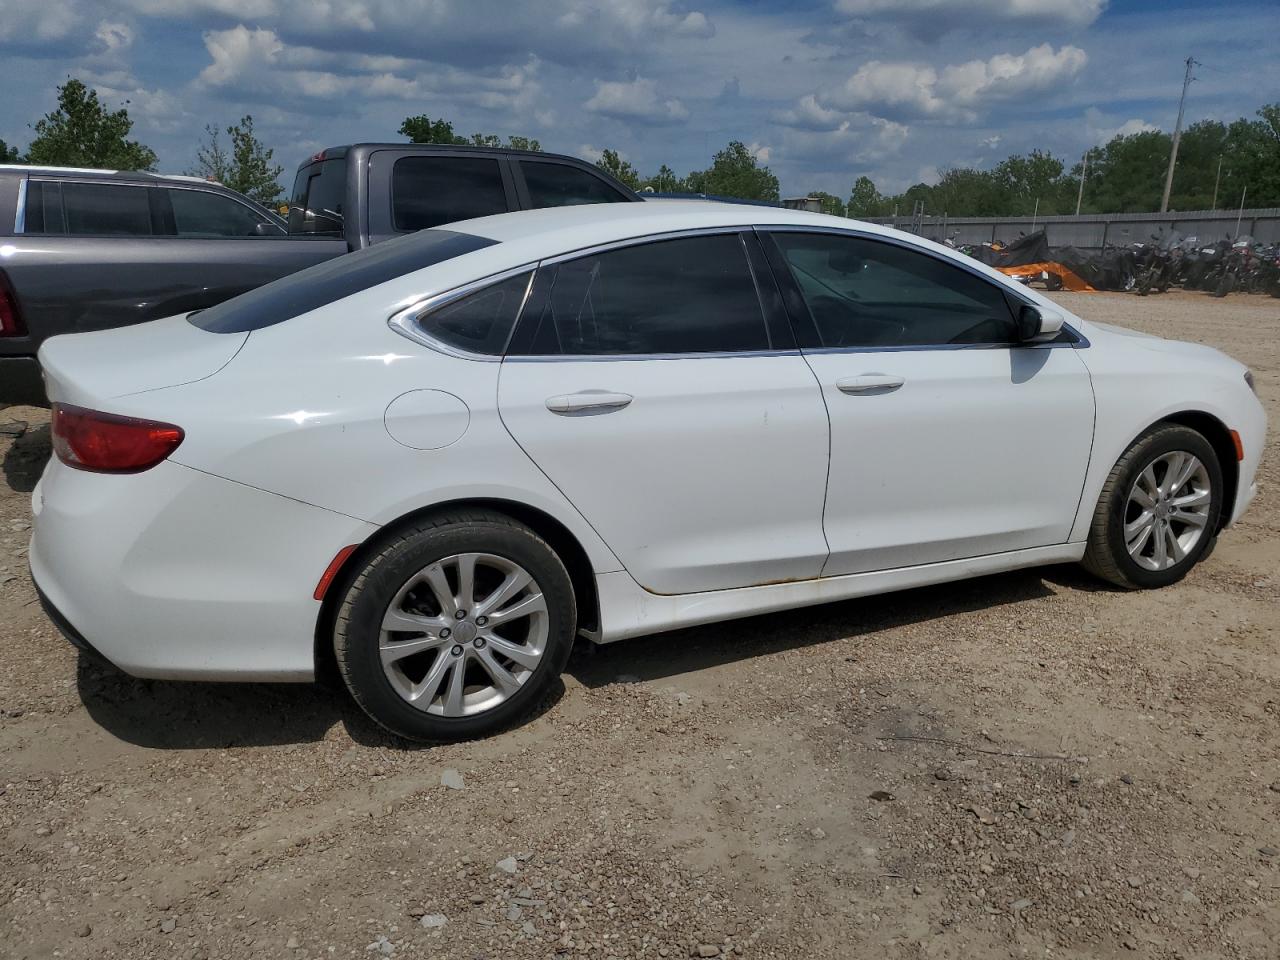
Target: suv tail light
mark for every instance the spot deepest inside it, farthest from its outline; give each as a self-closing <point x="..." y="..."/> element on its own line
<point x="108" y="442"/>
<point x="10" y="319"/>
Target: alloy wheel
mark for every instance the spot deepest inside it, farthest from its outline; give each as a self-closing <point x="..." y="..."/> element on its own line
<point x="463" y="634"/>
<point x="1167" y="510"/>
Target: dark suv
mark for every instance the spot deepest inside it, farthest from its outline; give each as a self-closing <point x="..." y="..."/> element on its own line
<point x="90" y="249"/>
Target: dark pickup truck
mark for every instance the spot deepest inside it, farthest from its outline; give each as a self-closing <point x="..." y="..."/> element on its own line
<point x="91" y="249"/>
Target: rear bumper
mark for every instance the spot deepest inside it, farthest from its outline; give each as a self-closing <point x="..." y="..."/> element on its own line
<point x="176" y="574"/>
<point x="21" y="382"/>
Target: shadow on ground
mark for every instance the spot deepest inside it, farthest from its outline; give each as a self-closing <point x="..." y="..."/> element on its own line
<point x="25" y="459"/>
<point x="172" y="715"/>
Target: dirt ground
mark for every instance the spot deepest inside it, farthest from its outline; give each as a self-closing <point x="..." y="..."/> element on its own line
<point x="1025" y="765"/>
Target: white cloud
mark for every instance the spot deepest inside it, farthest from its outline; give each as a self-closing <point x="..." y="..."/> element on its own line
<point x="636" y="99"/>
<point x="636" y="17"/>
<point x="934" y="17"/>
<point x="40" y="20"/>
<point x="990" y="143"/>
<point x="1101" y="128"/>
<point x="238" y="51"/>
<point x="960" y="90"/>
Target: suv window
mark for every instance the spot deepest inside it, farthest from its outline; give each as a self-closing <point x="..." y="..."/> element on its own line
<point x="319" y="191"/>
<point x="560" y="185"/>
<point x="201" y="213"/>
<point x="42" y="212"/>
<point x="106" y="209"/>
<point x="429" y="191"/>
<point x="480" y="322"/>
<point x="868" y="293"/>
<point x="691" y="295"/>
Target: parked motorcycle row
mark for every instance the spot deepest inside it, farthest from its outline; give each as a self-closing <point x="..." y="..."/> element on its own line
<point x="1155" y="266"/>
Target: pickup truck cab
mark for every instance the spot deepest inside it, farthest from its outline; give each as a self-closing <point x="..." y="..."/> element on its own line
<point x="84" y="250"/>
<point x="369" y="192"/>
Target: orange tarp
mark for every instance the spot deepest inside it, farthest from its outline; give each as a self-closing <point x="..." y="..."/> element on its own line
<point x="1070" y="279"/>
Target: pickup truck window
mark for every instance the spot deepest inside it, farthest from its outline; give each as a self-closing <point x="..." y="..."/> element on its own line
<point x="199" y="213"/>
<point x="429" y="191"/>
<point x="335" y="279"/>
<point x="560" y="185"/>
<point x="106" y="209"/>
<point x="318" y="195"/>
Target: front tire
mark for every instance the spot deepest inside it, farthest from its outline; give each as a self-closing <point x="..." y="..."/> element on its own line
<point x="456" y="627"/>
<point x="1158" y="513"/>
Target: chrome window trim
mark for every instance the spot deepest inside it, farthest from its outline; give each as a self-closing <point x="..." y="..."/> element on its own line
<point x="625" y="357"/>
<point x="636" y="241"/>
<point x="1080" y="342"/>
<point x="407" y="321"/>
<point x="20" y="214"/>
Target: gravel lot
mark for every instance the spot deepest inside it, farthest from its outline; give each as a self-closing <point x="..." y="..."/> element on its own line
<point x="1029" y="764"/>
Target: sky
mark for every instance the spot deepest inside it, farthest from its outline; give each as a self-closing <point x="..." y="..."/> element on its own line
<point x="822" y="91"/>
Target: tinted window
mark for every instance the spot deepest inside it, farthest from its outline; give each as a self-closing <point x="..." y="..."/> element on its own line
<point x="560" y="185"/>
<point x="863" y="292"/>
<point x="480" y="322"/>
<point x="43" y="210"/>
<point x="429" y="191"/>
<point x="106" y="209"/>
<point x="198" y="213"/>
<point x="319" y="192"/>
<point x="693" y="295"/>
<point x="334" y="279"/>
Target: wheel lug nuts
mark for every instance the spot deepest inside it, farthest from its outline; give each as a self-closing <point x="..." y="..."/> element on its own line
<point x="461" y="614"/>
<point x="457" y="650"/>
<point x="444" y="634"/>
<point x="479" y="643"/>
<point x="481" y="621"/>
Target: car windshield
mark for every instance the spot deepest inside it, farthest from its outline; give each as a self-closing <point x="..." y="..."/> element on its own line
<point x="335" y="279"/>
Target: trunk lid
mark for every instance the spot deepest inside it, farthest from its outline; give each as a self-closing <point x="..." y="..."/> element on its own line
<point x="87" y="368"/>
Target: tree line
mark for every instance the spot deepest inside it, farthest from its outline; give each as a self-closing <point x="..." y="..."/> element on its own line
<point x="1219" y="164"/>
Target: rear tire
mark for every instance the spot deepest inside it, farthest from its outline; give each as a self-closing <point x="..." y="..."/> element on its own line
<point x="456" y="627"/>
<point x="1150" y="526"/>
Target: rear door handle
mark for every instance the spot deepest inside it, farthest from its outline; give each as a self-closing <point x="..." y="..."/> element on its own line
<point x="868" y="382"/>
<point x="569" y="403"/>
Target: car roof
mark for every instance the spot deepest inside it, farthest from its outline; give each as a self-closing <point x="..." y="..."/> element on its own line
<point x="100" y="173"/>
<point x="585" y="225"/>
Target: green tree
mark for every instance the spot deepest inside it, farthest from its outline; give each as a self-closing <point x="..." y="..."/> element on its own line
<point x="1127" y="174"/>
<point x="8" y="154"/>
<point x="84" y="133"/>
<point x="246" y="168"/>
<point x="1031" y="183"/>
<point x="864" y="199"/>
<point x="422" y="129"/>
<point x="831" y="204"/>
<point x="621" y="169"/>
<point x="664" y="181"/>
<point x="735" y="172"/>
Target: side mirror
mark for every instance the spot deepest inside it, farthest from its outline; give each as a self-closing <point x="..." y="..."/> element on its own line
<point x="264" y="229"/>
<point x="1038" y="324"/>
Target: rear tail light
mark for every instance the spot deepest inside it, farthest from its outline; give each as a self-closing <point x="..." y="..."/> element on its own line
<point x="108" y="442"/>
<point x="10" y="319"/>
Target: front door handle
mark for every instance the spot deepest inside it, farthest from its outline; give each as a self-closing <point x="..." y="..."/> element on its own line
<point x="869" y="383"/>
<point x="571" y="403"/>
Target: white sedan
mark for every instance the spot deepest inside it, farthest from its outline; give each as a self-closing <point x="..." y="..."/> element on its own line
<point x="437" y="462"/>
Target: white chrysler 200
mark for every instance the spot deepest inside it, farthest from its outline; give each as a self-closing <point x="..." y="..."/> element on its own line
<point x="438" y="461"/>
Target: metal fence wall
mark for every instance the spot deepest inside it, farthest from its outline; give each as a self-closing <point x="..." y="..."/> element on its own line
<point x="1094" y="231"/>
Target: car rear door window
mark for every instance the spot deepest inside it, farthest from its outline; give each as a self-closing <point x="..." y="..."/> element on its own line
<point x="200" y="213"/>
<point x="689" y="295"/>
<point x="106" y="209"/>
<point x="429" y="191"/>
<point x="42" y="209"/>
<point x="560" y="185"/>
<point x="862" y="292"/>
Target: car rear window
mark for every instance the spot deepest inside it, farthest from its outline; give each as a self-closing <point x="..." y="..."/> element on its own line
<point x="335" y="279"/>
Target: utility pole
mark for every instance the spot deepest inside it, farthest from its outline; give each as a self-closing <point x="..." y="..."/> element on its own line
<point x="1177" y="135"/>
<point x="1216" y="181"/>
<point x="1084" y="172"/>
<point x="1240" y="215"/>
